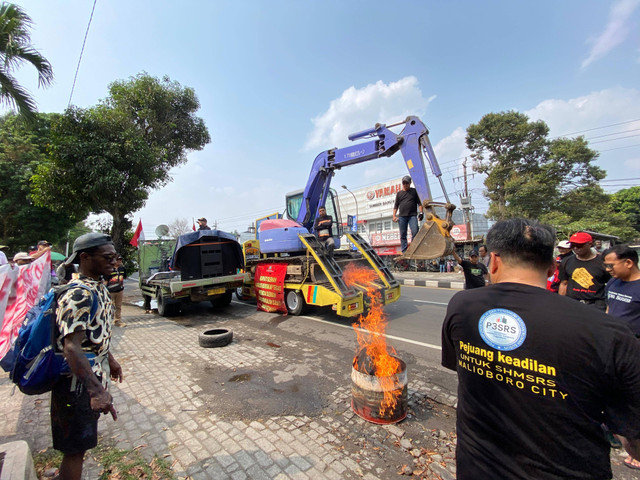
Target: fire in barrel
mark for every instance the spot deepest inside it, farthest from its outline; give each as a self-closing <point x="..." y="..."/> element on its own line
<point x="378" y="376"/>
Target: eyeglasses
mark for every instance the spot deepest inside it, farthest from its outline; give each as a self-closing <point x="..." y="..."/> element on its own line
<point x="111" y="258"/>
<point x="609" y="266"/>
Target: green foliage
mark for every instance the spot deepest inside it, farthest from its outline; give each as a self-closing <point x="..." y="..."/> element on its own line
<point x="589" y="208"/>
<point x="109" y="157"/>
<point x="527" y="174"/>
<point x="628" y="201"/>
<point x="22" y="150"/>
<point x="15" y="50"/>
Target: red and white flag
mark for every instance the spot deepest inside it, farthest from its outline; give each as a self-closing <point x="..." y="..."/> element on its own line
<point x="194" y="224"/>
<point x="138" y="236"/>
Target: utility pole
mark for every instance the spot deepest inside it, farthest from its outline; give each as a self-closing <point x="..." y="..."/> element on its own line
<point x="466" y="201"/>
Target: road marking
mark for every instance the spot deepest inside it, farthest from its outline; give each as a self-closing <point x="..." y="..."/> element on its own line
<point x="432" y="303"/>
<point x="392" y="337"/>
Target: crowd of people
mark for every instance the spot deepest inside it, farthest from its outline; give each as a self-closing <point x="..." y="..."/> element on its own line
<point x="545" y="377"/>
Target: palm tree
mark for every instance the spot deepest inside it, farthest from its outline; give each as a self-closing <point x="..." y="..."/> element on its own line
<point x="16" y="49"/>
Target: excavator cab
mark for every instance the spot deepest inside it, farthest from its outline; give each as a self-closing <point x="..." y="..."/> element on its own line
<point x="294" y="203"/>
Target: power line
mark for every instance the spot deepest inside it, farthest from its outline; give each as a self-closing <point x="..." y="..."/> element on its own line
<point x="598" y="128"/>
<point x="81" y="52"/>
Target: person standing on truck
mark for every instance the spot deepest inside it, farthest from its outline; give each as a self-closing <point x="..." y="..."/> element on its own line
<point x="202" y="224"/>
<point x="323" y="230"/>
<point x="405" y="212"/>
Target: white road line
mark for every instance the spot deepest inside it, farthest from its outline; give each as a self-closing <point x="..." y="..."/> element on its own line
<point x="392" y="337"/>
<point x="432" y="303"/>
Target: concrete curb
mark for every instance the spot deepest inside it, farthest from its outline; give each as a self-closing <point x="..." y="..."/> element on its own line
<point x="17" y="463"/>
<point x="431" y="283"/>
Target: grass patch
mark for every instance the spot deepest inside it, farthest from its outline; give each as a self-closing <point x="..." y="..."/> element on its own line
<point x="46" y="459"/>
<point x="117" y="464"/>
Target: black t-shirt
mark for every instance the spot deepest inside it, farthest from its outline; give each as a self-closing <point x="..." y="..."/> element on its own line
<point x="473" y="274"/>
<point x="323" y="230"/>
<point x="587" y="279"/>
<point x="538" y="374"/>
<point x="407" y="203"/>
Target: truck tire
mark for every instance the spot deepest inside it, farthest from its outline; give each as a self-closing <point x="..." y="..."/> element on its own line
<point x="166" y="308"/>
<point x="294" y="301"/>
<point x="240" y="296"/>
<point x="222" y="300"/>
<point x="218" y="337"/>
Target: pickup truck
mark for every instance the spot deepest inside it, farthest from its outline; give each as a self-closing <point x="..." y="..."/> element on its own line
<point x="206" y="265"/>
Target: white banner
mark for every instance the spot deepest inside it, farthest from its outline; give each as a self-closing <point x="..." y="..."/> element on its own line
<point x="20" y="288"/>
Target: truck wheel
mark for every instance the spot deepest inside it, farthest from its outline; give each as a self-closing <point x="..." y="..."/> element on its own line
<point x="222" y="300"/>
<point x="165" y="309"/>
<point x="241" y="296"/>
<point x="295" y="302"/>
<point x="218" y="337"/>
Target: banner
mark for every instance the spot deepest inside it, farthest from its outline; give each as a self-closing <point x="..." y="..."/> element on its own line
<point x="20" y="289"/>
<point x="269" y="287"/>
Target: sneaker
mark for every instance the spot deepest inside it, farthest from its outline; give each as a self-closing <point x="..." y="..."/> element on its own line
<point x="119" y="323"/>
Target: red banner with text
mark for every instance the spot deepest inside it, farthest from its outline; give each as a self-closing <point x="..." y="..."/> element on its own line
<point x="269" y="287"/>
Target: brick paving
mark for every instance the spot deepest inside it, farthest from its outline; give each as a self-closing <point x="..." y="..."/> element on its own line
<point x="274" y="404"/>
<point x="169" y="406"/>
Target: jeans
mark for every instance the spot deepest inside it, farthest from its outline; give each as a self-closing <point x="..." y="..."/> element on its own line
<point x="403" y="223"/>
<point x="443" y="268"/>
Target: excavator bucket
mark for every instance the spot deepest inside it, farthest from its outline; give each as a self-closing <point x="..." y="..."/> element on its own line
<point x="432" y="241"/>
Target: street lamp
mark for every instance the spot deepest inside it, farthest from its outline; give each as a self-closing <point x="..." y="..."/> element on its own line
<point x="355" y="200"/>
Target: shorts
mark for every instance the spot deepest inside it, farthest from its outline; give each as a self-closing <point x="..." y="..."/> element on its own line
<point x="74" y="426"/>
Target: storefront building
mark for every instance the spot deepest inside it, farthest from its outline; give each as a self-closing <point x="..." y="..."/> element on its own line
<point x="373" y="208"/>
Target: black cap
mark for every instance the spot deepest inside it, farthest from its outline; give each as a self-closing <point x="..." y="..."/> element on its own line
<point x="88" y="240"/>
<point x="44" y="242"/>
<point x="473" y="253"/>
<point x="406" y="179"/>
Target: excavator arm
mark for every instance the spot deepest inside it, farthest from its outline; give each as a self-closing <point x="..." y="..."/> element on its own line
<point x="434" y="238"/>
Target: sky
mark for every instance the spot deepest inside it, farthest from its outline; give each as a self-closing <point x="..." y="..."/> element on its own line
<point x="281" y="81"/>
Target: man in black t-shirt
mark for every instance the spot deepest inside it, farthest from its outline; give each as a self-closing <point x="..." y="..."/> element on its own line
<point x="583" y="276"/>
<point x="534" y="387"/>
<point x="405" y="211"/>
<point x="323" y="228"/>
<point x="475" y="272"/>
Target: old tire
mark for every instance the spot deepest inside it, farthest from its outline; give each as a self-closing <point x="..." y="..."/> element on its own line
<point x="218" y="337"/>
<point x="222" y="300"/>
<point x="294" y="300"/>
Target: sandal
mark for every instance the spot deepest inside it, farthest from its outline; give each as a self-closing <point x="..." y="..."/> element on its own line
<point x="632" y="463"/>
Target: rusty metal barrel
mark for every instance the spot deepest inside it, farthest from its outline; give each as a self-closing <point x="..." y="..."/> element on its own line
<point x="367" y="395"/>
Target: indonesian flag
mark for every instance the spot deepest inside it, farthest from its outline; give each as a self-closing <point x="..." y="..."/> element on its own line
<point x="194" y="224"/>
<point x="138" y="236"/>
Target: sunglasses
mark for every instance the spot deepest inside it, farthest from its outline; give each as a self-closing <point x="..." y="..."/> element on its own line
<point x="577" y="245"/>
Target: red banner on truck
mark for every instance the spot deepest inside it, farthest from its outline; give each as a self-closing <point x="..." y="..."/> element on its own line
<point x="269" y="286"/>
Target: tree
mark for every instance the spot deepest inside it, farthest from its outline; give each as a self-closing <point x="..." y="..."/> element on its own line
<point x="527" y="174"/>
<point x="22" y="149"/>
<point x="15" y="50"/>
<point x="109" y="157"/>
<point x="628" y="201"/>
<point x="178" y="227"/>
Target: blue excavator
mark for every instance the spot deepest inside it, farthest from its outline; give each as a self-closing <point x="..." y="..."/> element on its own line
<point x="314" y="277"/>
<point x="434" y="238"/>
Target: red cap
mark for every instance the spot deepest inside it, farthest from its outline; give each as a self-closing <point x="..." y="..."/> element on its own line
<point x="581" y="237"/>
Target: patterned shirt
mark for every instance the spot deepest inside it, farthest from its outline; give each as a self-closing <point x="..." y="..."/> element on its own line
<point x="74" y="312"/>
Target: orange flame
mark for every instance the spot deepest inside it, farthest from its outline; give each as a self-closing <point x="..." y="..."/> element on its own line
<point x="370" y="333"/>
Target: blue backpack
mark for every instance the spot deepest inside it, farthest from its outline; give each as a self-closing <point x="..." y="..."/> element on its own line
<point x="36" y="366"/>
